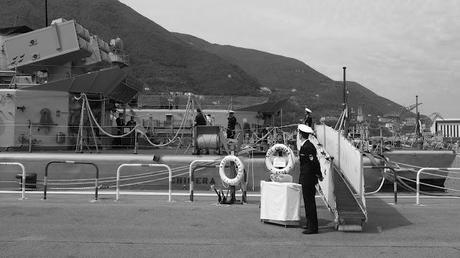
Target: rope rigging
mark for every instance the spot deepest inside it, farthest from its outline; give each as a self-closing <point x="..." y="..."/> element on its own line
<point x="137" y="128"/>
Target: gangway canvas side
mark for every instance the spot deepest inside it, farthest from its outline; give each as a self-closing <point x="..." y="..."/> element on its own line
<point x="343" y="186"/>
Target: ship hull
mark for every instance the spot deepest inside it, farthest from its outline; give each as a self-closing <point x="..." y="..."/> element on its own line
<point x="410" y="161"/>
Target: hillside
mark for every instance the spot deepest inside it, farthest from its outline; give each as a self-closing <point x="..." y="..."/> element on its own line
<point x="158" y="58"/>
<point x="272" y="71"/>
<point x="283" y="74"/>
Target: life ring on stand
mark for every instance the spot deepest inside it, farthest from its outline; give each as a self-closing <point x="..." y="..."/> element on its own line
<point x="271" y="156"/>
<point x="239" y="167"/>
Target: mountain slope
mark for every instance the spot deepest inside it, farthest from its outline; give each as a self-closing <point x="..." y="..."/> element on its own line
<point x="273" y="71"/>
<point x="289" y="77"/>
<point x="158" y="58"/>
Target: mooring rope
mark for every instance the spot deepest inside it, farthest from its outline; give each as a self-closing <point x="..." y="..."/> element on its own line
<point x="180" y="168"/>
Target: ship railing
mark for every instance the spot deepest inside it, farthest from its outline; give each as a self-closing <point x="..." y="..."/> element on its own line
<point x="23" y="187"/>
<point x="423" y="170"/>
<point x="51" y="136"/>
<point x="117" y="192"/>
<point x="40" y="136"/>
<point x="45" y="179"/>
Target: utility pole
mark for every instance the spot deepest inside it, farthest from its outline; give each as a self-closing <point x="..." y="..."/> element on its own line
<point x="46" y="13"/>
<point x="417" y="119"/>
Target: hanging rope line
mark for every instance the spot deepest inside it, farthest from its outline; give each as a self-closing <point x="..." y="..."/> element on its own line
<point x="137" y="128"/>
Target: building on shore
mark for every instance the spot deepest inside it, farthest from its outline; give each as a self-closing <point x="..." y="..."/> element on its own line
<point x="449" y="128"/>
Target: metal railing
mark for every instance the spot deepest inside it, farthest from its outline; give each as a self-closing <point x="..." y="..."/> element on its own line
<point x="207" y="163"/>
<point x="395" y="181"/>
<point x="144" y="165"/>
<point x="45" y="179"/>
<point x="23" y="187"/>
<point x="453" y="170"/>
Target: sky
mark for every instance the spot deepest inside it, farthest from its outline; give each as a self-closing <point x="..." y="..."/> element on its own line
<point x="396" y="48"/>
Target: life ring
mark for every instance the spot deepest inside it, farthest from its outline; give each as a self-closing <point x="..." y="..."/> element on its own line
<point x="239" y="167"/>
<point x="270" y="156"/>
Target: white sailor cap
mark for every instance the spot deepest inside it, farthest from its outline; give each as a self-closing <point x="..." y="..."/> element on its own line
<point x="307" y="110"/>
<point x="231" y="112"/>
<point x="305" y="128"/>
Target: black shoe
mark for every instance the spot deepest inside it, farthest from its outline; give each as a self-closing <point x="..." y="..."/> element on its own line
<point x="305" y="227"/>
<point x="309" y="232"/>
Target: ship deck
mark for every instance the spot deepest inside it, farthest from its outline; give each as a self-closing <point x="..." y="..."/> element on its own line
<point x="150" y="226"/>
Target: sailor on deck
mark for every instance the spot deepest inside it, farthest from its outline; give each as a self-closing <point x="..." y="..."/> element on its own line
<point x="231" y="125"/>
<point x="308" y="120"/>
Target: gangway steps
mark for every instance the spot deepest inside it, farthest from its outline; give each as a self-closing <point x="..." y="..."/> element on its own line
<point x="350" y="214"/>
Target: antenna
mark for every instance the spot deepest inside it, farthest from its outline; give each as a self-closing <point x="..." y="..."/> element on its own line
<point x="46" y="13"/>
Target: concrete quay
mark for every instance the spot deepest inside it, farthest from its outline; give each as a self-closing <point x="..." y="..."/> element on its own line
<point x="150" y="226"/>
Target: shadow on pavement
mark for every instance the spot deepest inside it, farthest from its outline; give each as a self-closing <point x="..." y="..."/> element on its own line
<point x="383" y="216"/>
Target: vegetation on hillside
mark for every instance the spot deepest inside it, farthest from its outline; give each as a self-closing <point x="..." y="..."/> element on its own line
<point x="290" y="78"/>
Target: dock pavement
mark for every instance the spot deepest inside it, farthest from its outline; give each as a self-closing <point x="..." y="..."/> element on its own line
<point x="150" y="226"/>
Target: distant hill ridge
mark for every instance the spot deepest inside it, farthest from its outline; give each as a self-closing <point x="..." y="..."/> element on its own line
<point x="283" y="75"/>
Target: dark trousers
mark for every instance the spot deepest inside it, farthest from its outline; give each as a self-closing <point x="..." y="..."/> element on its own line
<point x="230" y="133"/>
<point x="308" y="192"/>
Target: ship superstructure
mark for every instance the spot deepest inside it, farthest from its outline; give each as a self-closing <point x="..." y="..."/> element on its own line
<point x="42" y="70"/>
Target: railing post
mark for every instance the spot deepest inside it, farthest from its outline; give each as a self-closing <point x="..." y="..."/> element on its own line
<point x="418" y="186"/>
<point x="209" y="163"/>
<point x="117" y="191"/>
<point x="418" y="179"/>
<point x="117" y="183"/>
<point x="192" y="179"/>
<point x="169" y="182"/>
<point x="45" y="178"/>
<point x="23" y="192"/>
<point x="395" y="186"/>
<point x="45" y="181"/>
<point x="96" y="182"/>
<point x="23" y="187"/>
<point x="192" y="171"/>
<point x="135" y="142"/>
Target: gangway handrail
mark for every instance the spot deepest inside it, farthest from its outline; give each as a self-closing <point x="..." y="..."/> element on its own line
<point x="45" y="179"/>
<point x="417" y="198"/>
<point x="144" y="165"/>
<point x="23" y="188"/>
<point x="209" y="163"/>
